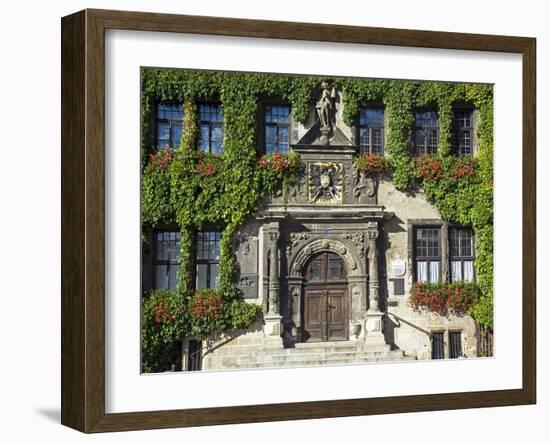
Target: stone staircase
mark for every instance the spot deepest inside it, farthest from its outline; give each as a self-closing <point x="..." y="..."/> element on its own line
<point x="253" y="355"/>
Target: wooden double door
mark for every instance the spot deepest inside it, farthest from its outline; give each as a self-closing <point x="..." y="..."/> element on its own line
<point x="325" y="303"/>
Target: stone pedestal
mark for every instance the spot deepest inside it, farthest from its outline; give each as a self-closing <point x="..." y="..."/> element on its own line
<point x="273" y="330"/>
<point x="324" y="137"/>
<point x="374" y="331"/>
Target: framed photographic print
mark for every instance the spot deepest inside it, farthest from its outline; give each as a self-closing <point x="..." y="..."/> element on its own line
<point x="268" y="221"/>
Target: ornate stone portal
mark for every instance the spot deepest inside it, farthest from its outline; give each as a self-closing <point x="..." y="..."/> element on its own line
<point x="333" y="210"/>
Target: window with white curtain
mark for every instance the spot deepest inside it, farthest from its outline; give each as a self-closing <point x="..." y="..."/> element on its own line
<point x="428" y="254"/>
<point x="461" y="253"/>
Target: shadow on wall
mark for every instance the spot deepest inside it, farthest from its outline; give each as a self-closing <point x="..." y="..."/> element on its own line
<point x="392" y="225"/>
<point x="389" y="327"/>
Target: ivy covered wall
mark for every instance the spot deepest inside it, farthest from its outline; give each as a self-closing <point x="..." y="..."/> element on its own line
<point x="191" y="189"/>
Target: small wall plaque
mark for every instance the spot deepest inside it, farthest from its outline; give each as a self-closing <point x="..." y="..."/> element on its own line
<point x="398" y="268"/>
<point x="399" y="286"/>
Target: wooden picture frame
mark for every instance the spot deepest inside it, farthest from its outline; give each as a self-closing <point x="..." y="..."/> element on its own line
<point x="83" y="216"/>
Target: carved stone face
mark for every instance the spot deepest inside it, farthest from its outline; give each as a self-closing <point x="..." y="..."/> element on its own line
<point x="325" y="181"/>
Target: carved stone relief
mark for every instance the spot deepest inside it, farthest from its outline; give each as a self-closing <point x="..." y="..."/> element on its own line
<point x="293" y="240"/>
<point x="325" y="183"/>
<point x="297" y="192"/>
<point x="246" y="253"/>
<point x="358" y="239"/>
<point x="325" y="244"/>
<point x="364" y="187"/>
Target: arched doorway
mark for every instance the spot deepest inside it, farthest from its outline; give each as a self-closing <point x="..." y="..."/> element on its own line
<point x="325" y="303"/>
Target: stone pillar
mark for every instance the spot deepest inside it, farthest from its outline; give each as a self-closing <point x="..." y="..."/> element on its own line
<point x="273" y="308"/>
<point x="374" y="285"/>
<point x="273" y="326"/>
<point x="374" y="332"/>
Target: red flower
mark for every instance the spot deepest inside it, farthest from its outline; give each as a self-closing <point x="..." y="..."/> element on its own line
<point x="207" y="167"/>
<point x="463" y="168"/>
<point x="428" y="167"/>
<point x="370" y="163"/>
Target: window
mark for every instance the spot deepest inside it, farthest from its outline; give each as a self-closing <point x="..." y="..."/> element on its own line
<point x="426" y="132"/>
<point x="461" y="252"/>
<point x="428" y="254"/>
<point x="438" y="345"/>
<point x="455" y="344"/>
<point x="431" y="260"/>
<point x="194" y="362"/>
<point x="208" y="259"/>
<point x="371" y="130"/>
<point x="277" y="128"/>
<point x="169" y="124"/>
<point x="211" y="128"/>
<point x="166" y="258"/>
<point x="462" y="132"/>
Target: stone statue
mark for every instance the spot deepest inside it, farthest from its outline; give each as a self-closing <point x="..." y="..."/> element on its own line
<point x="325" y="108"/>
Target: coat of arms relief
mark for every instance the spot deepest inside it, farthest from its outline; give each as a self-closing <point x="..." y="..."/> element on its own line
<point x="325" y="183"/>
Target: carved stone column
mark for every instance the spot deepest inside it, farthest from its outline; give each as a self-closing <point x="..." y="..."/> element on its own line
<point x="273" y="326"/>
<point x="374" y="332"/>
<point x="273" y="308"/>
<point x="374" y="285"/>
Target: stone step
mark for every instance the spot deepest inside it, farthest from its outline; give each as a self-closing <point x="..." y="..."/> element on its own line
<point x="319" y="356"/>
<point x="337" y="346"/>
<point x="303" y="348"/>
<point x="312" y="362"/>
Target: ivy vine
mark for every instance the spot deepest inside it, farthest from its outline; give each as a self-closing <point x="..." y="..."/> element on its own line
<point x="192" y="189"/>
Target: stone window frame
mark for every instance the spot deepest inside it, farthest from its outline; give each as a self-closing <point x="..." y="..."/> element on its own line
<point x="444" y="342"/>
<point x="445" y="252"/>
<point x="443" y="244"/>
<point x="428" y="258"/>
<point x="461" y="349"/>
<point x="446" y="332"/>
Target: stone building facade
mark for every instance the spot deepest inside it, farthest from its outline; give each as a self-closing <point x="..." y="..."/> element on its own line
<point x="332" y="263"/>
